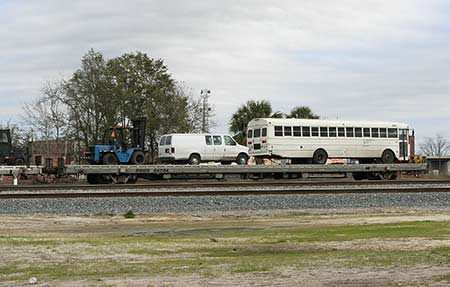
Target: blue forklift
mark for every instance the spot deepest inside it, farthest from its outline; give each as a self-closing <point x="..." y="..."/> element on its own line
<point x="121" y="146"/>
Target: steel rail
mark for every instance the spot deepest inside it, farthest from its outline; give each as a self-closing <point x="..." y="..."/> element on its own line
<point x="194" y="184"/>
<point x="229" y="192"/>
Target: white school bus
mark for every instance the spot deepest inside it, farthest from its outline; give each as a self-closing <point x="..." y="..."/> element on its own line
<point x="320" y="140"/>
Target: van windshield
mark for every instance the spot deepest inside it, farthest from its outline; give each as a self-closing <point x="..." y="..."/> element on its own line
<point x="169" y="140"/>
<point x="162" y="140"/>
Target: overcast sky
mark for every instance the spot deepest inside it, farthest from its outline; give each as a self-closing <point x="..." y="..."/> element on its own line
<point x="369" y="60"/>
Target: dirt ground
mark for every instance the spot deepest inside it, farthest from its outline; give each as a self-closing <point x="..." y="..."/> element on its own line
<point x="396" y="249"/>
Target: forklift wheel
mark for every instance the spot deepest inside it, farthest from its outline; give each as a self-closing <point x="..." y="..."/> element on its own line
<point x="138" y="157"/>
<point x="109" y="159"/>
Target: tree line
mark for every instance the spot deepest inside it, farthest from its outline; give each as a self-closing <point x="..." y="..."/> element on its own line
<point x="102" y="93"/>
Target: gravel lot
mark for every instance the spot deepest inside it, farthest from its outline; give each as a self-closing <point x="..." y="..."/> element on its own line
<point x="439" y="200"/>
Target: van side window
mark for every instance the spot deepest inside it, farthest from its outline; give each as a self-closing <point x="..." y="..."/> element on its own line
<point x="278" y="131"/>
<point x="229" y="140"/>
<point x="208" y="140"/>
<point x="249" y="134"/>
<point x="264" y="132"/>
<point x="217" y="140"/>
<point x="162" y="140"/>
<point x="257" y="133"/>
<point x="169" y="140"/>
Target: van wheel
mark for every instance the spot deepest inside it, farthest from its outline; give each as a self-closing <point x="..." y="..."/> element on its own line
<point x="242" y="158"/>
<point x="138" y="158"/>
<point x="320" y="157"/>
<point x="194" y="159"/>
<point x="388" y="157"/>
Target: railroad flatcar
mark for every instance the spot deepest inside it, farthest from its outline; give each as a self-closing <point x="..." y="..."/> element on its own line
<point x="317" y="141"/>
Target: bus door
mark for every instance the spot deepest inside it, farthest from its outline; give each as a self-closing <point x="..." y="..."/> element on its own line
<point x="256" y="139"/>
<point x="403" y="144"/>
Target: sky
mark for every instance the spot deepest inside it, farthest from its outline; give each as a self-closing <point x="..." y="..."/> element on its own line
<point x="349" y="59"/>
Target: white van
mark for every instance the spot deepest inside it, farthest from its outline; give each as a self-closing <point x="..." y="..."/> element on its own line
<point x="195" y="148"/>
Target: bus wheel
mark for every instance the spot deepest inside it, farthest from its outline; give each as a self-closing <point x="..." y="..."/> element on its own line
<point x="388" y="157"/>
<point x="320" y="156"/>
<point x="194" y="159"/>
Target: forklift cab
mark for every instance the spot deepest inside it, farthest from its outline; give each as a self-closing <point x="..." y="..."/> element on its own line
<point x="117" y="137"/>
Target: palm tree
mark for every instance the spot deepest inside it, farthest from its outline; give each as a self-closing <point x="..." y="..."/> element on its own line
<point x="247" y="112"/>
<point x="302" y="112"/>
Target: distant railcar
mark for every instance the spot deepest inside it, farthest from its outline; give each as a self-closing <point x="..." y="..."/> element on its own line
<point x="320" y="140"/>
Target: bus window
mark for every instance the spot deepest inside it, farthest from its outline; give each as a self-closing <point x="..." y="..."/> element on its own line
<point x="297" y="131"/>
<point x="162" y="140"/>
<point x="392" y="133"/>
<point x="366" y="132"/>
<point x="249" y="134"/>
<point x="256" y="133"/>
<point x="341" y="132"/>
<point x="314" y="131"/>
<point x="323" y="132"/>
<point x="278" y="131"/>
<point x="264" y="132"/>
<point x="383" y="133"/>
<point x="358" y="132"/>
<point x="349" y="132"/>
<point x="217" y="140"/>
<point x="208" y="140"/>
<point x="332" y="132"/>
<point x="375" y="133"/>
<point x="287" y="131"/>
<point x="306" y="131"/>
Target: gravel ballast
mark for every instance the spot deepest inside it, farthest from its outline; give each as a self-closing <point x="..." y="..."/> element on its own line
<point x="119" y="205"/>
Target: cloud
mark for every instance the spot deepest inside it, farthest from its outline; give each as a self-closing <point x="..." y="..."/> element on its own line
<point x="369" y="60"/>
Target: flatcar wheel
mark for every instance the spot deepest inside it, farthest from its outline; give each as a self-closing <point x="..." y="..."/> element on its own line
<point x="388" y="157"/>
<point x="320" y="157"/>
<point x="93" y="179"/>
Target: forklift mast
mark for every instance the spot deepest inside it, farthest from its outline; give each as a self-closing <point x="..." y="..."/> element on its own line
<point x="138" y="132"/>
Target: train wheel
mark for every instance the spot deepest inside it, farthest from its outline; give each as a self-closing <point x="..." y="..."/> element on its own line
<point x="109" y="159"/>
<point x="138" y="158"/>
<point x="242" y="159"/>
<point x="388" y="157"/>
<point x="194" y="159"/>
<point x="320" y="157"/>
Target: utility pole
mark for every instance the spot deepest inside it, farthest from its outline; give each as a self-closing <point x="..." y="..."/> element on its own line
<point x="204" y="94"/>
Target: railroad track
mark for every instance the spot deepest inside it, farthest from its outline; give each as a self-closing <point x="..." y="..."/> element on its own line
<point x="208" y="189"/>
<point x="210" y="183"/>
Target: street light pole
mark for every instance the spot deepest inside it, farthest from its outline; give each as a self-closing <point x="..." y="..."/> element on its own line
<point x="204" y="94"/>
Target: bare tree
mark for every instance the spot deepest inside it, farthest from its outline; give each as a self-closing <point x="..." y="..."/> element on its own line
<point x="435" y="146"/>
